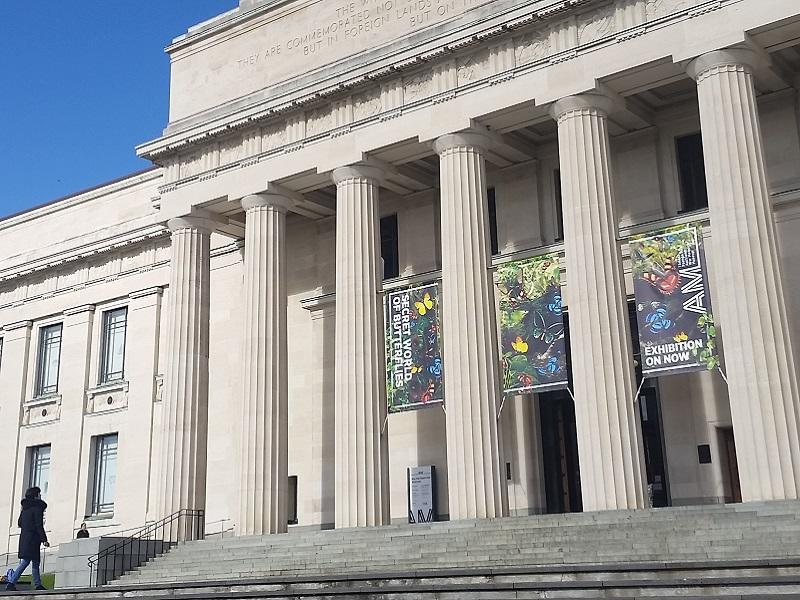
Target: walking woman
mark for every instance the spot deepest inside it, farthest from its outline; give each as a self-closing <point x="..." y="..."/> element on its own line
<point x="32" y="536"/>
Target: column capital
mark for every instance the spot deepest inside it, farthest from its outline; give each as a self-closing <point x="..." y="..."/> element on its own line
<point x="361" y="170"/>
<point x="469" y="138"/>
<point x="591" y="100"/>
<point x="197" y="223"/>
<point x="269" y="199"/>
<point x="738" y="56"/>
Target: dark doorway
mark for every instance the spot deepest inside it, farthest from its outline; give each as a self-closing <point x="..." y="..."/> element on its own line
<point x="729" y="447"/>
<point x="653" y="442"/>
<point x="560" y="452"/>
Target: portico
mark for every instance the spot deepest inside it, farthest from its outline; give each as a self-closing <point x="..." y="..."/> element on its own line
<point x="296" y="189"/>
<point x="450" y="119"/>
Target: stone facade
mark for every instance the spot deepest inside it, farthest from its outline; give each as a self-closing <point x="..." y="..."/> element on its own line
<point x="240" y="372"/>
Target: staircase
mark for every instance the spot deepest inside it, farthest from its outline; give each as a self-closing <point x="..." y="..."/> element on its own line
<point x="734" y="551"/>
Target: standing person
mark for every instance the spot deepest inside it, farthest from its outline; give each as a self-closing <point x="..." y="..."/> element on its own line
<point x="32" y="536"/>
<point x="82" y="532"/>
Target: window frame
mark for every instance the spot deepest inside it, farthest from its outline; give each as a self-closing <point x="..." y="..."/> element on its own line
<point x="491" y="211"/>
<point x="387" y="237"/>
<point x="32" y="459"/>
<point x="104" y="376"/>
<point x="98" y="505"/>
<point x="687" y="204"/>
<point x="41" y="389"/>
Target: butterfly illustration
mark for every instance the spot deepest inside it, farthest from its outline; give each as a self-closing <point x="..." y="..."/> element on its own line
<point x="681" y="337"/>
<point x="520" y="345"/>
<point x="547" y="333"/>
<point x="555" y="305"/>
<point x="427" y="396"/>
<point x="415" y="369"/>
<point x="658" y="321"/>
<point x="665" y="281"/>
<point x="549" y="368"/>
<point x="424" y="306"/>
<point x="436" y="367"/>
<point x="525" y="379"/>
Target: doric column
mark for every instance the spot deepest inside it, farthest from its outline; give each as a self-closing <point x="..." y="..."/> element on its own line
<point x="362" y="491"/>
<point x="749" y="298"/>
<point x="609" y="442"/>
<point x="185" y="411"/>
<point x="476" y="482"/>
<point x="264" y="424"/>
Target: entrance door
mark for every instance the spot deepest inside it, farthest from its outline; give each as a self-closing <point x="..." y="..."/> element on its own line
<point x="652" y="440"/>
<point x="729" y="446"/>
<point x="560" y="452"/>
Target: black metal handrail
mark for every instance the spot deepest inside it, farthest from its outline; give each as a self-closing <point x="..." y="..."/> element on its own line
<point x="152" y="540"/>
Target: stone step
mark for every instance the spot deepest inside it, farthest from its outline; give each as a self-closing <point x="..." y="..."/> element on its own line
<point x="701" y="580"/>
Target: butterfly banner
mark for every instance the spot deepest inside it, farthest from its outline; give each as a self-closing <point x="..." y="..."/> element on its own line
<point x="673" y="307"/>
<point x="414" y="370"/>
<point x="532" y="325"/>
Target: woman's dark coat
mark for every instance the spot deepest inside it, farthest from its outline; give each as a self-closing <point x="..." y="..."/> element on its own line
<point x="31" y="522"/>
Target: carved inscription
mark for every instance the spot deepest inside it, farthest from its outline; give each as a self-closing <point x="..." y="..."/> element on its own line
<point x="293" y="42"/>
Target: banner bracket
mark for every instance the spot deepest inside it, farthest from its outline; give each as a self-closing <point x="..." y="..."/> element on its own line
<point x="638" y="391"/>
<point x="385" y="423"/>
<point x="444" y="410"/>
<point x="502" y="404"/>
<point x="721" y="372"/>
<point x="571" y="395"/>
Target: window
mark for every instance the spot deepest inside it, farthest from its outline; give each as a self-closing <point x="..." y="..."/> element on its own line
<point x="492" y="221"/>
<point x="115" y="325"/>
<point x="292" y="500"/>
<point x="39" y="467"/>
<point x="105" y="474"/>
<point x="691" y="172"/>
<point x="390" y="252"/>
<point x="49" y="360"/>
<point x="558" y="206"/>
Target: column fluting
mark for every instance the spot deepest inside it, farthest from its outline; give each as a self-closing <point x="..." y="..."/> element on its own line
<point x="361" y="449"/>
<point x="185" y="409"/>
<point x="476" y="485"/>
<point x="748" y="297"/>
<point x="264" y="431"/>
<point x="609" y="440"/>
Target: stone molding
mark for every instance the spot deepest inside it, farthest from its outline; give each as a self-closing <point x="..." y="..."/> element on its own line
<point x="86" y="308"/>
<point x="527" y="40"/>
<point x="272" y="200"/>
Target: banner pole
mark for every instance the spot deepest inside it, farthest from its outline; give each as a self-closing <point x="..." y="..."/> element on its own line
<point x="571" y="395"/>
<point x="721" y="372"/>
<point x="444" y="410"/>
<point x="385" y="422"/>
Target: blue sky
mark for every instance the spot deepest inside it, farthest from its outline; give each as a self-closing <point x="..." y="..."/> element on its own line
<point x="81" y="83"/>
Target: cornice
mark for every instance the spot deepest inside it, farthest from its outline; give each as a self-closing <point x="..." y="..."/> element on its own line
<point x="507" y="19"/>
<point x="104" y="189"/>
<point x="83" y="252"/>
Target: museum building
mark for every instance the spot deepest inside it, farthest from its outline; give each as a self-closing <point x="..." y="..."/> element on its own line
<point x="219" y="332"/>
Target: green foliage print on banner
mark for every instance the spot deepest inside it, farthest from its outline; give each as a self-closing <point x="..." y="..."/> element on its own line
<point x="677" y="331"/>
<point x="532" y="326"/>
<point x="414" y="369"/>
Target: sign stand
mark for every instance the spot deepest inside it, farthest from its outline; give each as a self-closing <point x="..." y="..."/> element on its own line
<point x="422" y="494"/>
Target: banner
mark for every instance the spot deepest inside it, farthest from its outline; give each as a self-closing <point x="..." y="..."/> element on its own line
<point x="532" y="325"/>
<point x="414" y="367"/>
<point x="673" y="308"/>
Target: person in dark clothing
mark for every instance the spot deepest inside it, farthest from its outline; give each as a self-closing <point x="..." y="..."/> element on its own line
<point x="31" y="537"/>
<point x="82" y="532"/>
